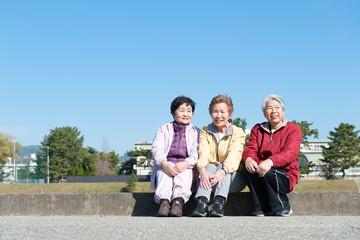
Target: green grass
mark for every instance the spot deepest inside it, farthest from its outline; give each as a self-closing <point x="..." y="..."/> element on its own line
<point x="302" y="186"/>
<point x="326" y="186"/>
<point x="71" y="188"/>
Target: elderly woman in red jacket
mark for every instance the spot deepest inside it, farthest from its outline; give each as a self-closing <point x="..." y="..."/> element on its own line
<point x="271" y="159"/>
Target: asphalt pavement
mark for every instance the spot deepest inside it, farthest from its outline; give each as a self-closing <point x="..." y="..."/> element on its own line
<point x="110" y="227"/>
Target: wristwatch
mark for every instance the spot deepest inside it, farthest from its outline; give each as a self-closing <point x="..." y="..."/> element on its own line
<point x="224" y="169"/>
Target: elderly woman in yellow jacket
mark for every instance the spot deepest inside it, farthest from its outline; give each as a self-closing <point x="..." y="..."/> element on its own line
<point x="220" y="151"/>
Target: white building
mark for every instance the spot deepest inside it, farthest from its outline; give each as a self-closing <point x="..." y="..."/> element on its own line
<point x="11" y="168"/>
<point x="313" y="153"/>
<point x="139" y="169"/>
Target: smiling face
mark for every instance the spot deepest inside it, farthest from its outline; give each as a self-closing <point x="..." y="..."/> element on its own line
<point x="220" y="116"/>
<point x="274" y="113"/>
<point x="183" y="114"/>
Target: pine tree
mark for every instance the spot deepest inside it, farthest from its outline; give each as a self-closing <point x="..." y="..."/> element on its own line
<point x="65" y="150"/>
<point x="130" y="183"/>
<point x="306" y="131"/>
<point x="343" y="151"/>
<point x="88" y="164"/>
<point x="241" y="123"/>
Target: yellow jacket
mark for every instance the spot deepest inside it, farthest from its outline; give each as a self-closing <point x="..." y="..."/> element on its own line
<point x="228" y="151"/>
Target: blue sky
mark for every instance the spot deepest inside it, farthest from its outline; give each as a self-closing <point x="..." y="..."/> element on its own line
<point x="112" y="68"/>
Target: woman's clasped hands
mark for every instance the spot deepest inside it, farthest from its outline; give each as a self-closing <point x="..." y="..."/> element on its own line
<point x="261" y="169"/>
<point x="208" y="181"/>
<point x="173" y="170"/>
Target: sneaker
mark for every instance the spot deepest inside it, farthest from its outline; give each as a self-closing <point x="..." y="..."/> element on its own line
<point x="217" y="210"/>
<point x="201" y="210"/>
<point x="284" y="212"/>
<point x="176" y="209"/>
<point x="164" y="209"/>
<point x="258" y="213"/>
<point x="262" y="214"/>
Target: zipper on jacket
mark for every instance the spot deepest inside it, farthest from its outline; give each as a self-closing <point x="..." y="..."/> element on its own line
<point x="217" y="150"/>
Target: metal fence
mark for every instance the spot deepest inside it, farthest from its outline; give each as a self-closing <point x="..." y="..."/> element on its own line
<point x="23" y="181"/>
<point x="117" y="178"/>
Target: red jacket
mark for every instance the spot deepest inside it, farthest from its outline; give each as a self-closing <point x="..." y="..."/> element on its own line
<point x="282" y="147"/>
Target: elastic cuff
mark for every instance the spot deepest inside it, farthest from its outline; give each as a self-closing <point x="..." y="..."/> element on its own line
<point x="180" y="199"/>
<point x="202" y="199"/>
<point x="220" y="199"/>
<point x="164" y="200"/>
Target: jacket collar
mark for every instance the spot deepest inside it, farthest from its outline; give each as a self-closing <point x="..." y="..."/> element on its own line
<point x="266" y="126"/>
<point x="179" y="128"/>
<point x="212" y="129"/>
<point x="188" y="126"/>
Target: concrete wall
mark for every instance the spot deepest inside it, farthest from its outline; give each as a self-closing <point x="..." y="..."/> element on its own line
<point x="142" y="204"/>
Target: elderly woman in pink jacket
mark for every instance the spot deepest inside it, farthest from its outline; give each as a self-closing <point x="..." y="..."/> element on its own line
<point x="175" y="152"/>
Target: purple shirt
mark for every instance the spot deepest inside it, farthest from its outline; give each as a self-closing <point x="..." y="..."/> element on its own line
<point x="178" y="149"/>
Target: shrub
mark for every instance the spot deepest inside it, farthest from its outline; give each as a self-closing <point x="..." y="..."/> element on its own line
<point x="130" y="184"/>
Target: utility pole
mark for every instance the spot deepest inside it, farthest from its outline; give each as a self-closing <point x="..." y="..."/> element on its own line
<point x="15" y="165"/>
<point x="48" y="172"/>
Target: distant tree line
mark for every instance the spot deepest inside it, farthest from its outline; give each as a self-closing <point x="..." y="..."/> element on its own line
<point x="68" y="156"/>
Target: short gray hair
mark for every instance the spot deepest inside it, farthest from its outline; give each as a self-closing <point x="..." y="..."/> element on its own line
<point x="272" y="97"/>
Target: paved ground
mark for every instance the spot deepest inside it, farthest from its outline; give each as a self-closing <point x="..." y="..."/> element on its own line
<point x="294" y="227"/>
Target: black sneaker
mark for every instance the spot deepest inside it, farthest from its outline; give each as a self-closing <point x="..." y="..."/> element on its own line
<point x="217" y="210"/>
<point x="287" y="211"/>
<point x="262" y="214"/>
<point x="201" y="210"/>
<point x="258" y="213"/>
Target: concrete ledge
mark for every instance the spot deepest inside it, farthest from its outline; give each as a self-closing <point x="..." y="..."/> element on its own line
<point x="142" y="204"/>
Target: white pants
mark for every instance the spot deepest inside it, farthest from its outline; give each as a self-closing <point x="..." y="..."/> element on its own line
<point x="173" y="187"/>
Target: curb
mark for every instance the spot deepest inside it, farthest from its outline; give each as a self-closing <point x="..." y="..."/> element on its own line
<point x="142" y="204"/>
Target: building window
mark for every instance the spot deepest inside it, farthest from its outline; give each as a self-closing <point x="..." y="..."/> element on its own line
<point x="318" y="148"/>
<point x="354" y="169"/>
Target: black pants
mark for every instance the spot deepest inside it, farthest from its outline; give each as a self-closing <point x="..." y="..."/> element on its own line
<point x="269" y="192"/>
